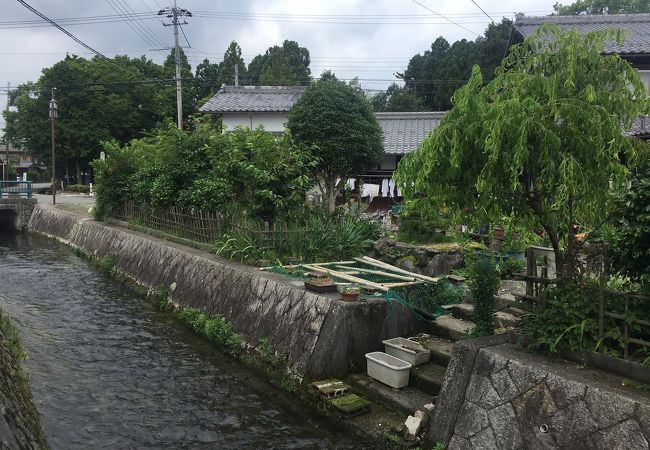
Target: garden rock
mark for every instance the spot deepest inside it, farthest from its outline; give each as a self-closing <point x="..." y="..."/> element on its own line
<point x="413" y="425"/>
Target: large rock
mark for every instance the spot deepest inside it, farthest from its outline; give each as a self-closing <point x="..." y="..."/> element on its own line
<point x="442" y="264"/>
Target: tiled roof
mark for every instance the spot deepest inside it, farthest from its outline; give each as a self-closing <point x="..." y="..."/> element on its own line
<point x="253" y="99"/>
<point x="404" y="131"/>
<point x="636" y="25"/>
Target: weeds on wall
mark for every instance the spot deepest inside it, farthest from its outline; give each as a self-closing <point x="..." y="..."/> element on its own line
<point x="569" y="321"/>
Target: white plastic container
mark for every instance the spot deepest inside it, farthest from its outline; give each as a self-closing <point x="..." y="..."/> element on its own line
<point x="406" y="350"/>
<point x="389" y="370"/>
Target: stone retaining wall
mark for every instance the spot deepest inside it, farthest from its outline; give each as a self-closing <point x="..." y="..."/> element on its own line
<point x="496" y="397"/>
<point x="319" y="334"/>
<point x="20" y="210"/>
<point x="19" y="421"/>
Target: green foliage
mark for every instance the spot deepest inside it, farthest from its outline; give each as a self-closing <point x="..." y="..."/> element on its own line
<point x="215" y="328"/>
<point x="106" y="264"/>
<point x="11" y="338"/>
<point x="231" y="58"/>
<point x="484" y="282"/>
<point x="311" y="236"/>
<point x="630" y="246"/>
<point x="33" y="177"/>
<point x="85" y="189"/>
<point x="542" y="140"/>
<point x="338" y="125"/>
<point x="287" y="65"/>
<point x="396" y="99"/>
<point x="207" y="76"/>
<point x="603" y="7"/>
<point x="569" y="321"/>
<point x="414" y="226"/>
<point x="118" y="110"/>
<point x="205" y="169"/>
<point x="448" y="66"/>
<point x="508" y="266"/>
<point x="446" y="293"/>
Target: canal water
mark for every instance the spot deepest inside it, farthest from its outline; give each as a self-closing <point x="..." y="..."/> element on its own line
<point x="109" y="371"/>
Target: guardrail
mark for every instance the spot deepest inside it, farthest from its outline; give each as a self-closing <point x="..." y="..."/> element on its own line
<point x="16" y="189"/>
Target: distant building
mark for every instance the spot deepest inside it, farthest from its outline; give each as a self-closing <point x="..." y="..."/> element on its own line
<point x="19" y="158"/>
<point x="269" y="106"/>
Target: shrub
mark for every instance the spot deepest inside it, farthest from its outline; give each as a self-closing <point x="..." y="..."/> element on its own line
<point x="484" y="282"/>
<point x="78" y="188"/>
<point x="630" y="247"/>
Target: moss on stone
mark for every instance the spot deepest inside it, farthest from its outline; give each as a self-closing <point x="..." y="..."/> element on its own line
<point x="350" y="404"/>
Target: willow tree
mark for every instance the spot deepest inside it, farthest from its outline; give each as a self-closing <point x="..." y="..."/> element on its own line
<point x="543" y="140"/>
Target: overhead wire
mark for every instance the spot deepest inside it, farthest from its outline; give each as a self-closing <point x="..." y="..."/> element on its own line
<point x="446" y="18"/>
<point x="479" y="7"/>
<point x="44" y="17"/>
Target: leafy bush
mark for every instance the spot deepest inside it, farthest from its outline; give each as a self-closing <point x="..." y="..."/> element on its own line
<point x="630" y="247"/>
<point x="484" y="281"/>
<point x="569" y="321"/>
<point x="508" y="266"/>
<point x="310" y="236"/>
<point x="263" y="174"/>
<point x="33" y="177"/>
<point x="78" y="188"/>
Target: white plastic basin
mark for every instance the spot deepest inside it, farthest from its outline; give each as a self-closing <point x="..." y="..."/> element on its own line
<point x="406" y="350"/>
<point x="389" y="370"/>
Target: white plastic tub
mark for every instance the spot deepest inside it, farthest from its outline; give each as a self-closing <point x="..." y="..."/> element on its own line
<point x="389" y="370"/>
<point x="406" y="350"/>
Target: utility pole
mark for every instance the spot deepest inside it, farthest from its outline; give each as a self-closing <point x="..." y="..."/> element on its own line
<point x="6" y="171"/>
<point x="174" y="14"/>
<point x="237" y="74"/>
<point x="54" y="110"/>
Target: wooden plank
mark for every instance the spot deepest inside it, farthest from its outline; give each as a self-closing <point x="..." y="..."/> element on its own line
<point x="622" y="317"/>
<point x="405" y="283"/>
<point x="639" y="342"/>
<point x="359" y="281"/>
<point x="383" y="265"/>
<point x="379" y="272"/>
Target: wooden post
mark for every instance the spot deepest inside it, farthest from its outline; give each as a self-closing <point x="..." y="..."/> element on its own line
<point x="601" y="302"/>
<point x="626" y="330"/>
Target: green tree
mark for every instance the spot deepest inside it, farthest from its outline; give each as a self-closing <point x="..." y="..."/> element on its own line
<point x="98" y="99"/>
<point x="207" y="77"/>
<point x="631" y="240"/>
<point x="338" y="124"/>
<point x="542" y="140"/>
<point x="287" y="65"/>
<point x="396" y="98"/>
<point x="188" y="87"/>
<point x="231" y="58"/>
<point x="603" y="7"/>
<point x="434" y="76"/>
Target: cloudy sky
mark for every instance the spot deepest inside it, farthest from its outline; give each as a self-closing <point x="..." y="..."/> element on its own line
<point x="371" y="39"/>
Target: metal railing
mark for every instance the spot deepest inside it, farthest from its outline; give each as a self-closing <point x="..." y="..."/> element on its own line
<point x="16" y="189"/>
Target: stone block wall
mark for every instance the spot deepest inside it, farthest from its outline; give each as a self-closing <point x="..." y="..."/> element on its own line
<point x="19" y="420"/>
<point x="501" y="398"/>
<point x="20" y="208"/>
<point x="319" y="334"/>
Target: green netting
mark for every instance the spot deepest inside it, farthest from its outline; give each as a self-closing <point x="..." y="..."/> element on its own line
<point x="422" y="299"/>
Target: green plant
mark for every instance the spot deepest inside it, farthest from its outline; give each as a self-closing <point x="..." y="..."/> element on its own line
<point x="508" y="266"/>
<point x="445" y="293"/>
<point x="440" y="446"/>
<point x="106" y="263"/>
<point x="484" y="282"/>
<point x="630" y="246"/>
<point x="351" y="289"/>
<point x="78" y="188"/>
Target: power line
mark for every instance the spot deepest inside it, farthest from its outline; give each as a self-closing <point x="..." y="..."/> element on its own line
<point x="76" y="39"/>
<point x="131" y="23"/>
<point x="488" y="16"/>
<point x="449" y="20"/>
<point x="137" y="20"/>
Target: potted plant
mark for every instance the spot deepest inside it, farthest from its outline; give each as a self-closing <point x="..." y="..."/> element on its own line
<point x="350" y="293"/>
<point x="320" y="282"/>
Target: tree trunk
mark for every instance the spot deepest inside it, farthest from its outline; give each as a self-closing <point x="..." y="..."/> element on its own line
<point x="330" y="193"/>
<point x="77" y="168"/>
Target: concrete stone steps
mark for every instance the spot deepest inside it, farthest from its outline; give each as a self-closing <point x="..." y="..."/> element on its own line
<point x="439" y="348"/>
<point x="428" y="377"/>
<point x="449" y="327"/>
<point x="406" y="400"/>
<point x="465" y="311"/>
